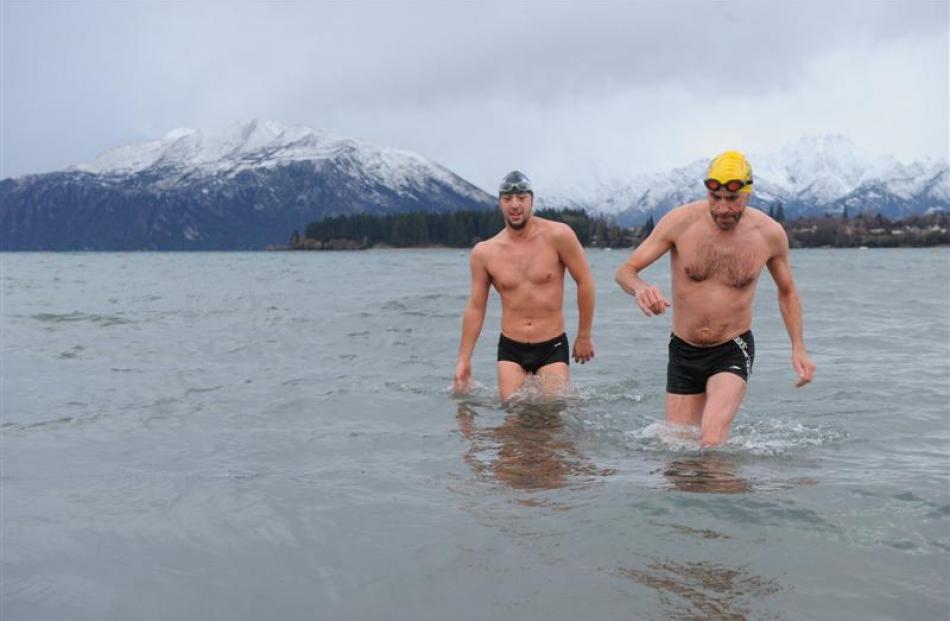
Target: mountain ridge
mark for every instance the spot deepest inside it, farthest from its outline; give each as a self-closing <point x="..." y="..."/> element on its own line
<point x="245" y="187"/>
<point x="252" y="184"/>
<point x="809" y="177"/>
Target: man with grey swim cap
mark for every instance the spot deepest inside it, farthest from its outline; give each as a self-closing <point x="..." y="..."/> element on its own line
<point x="717" y="250"/>
<point x="526" y="262"/>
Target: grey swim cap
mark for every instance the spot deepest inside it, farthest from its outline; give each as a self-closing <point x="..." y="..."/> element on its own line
<point x="515" y="182"/>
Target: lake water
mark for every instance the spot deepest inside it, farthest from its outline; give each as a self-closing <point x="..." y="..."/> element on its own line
<point x="271" y="435"/>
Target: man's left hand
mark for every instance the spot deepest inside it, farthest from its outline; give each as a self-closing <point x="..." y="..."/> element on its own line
<point x="583" y="349"/>
<point x="803" y="366"/>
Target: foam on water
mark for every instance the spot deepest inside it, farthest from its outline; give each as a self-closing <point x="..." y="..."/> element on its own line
<point x="777" y="436"/>
<point x="761" y="437"/>
<point x="534" y="390"/>
<point x="618" y="392"/>
<point x="582" y="408"/>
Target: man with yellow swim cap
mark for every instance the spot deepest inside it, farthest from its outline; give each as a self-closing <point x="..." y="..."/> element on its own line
<point x="717" y="250"/>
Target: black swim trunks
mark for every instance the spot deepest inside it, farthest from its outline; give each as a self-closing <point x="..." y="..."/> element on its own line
<point x="691" y="366"/>
<point x="533" y="356"/>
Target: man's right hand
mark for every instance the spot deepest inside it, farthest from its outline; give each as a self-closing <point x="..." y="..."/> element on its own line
<point x="463" y="376"/>
<point x="803" y="366"/>
<point x="651" y="301"/>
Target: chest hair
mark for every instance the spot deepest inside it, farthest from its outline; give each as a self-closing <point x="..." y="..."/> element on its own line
<point x="735" y="266"/>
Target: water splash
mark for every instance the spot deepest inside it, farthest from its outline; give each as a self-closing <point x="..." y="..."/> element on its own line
<point x="764" y="437"/>
<point x="778" y="436"/>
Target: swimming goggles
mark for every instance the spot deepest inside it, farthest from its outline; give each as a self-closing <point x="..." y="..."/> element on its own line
<point x="733" y="185"/>
<point x="509" y="187"/>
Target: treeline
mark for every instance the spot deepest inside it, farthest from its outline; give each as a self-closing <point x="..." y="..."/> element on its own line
<point x="457" y="229"/>
<point x="463" y="229"/>
<point x="869" y="231"/>
<point x="460" y="229"/>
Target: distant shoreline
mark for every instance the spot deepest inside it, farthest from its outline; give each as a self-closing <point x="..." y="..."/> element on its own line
<point x="465" y="229"/>
<point x="926" y="231"/>
<point x="427" y="247"/>
<point x="606" y="248"/>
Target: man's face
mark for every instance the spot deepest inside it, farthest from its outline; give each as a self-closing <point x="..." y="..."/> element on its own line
<point x="726" y="208"/>
<point x="516" y="209"/>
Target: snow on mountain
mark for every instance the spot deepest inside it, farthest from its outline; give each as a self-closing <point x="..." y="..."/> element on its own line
<point x="810" y="176"/>
<point x="253" y="183"/>
<point x="246" y="187"/>
<point x="269" y="144"/>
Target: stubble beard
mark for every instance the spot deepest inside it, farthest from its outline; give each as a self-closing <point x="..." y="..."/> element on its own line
<point x="518" y="227"/>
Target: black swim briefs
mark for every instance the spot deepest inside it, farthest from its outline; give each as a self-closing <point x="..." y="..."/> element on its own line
<point x="533" y="356"/>
<point x="690" y="366"/>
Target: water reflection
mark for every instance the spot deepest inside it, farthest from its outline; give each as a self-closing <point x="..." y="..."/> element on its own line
<point x="530" y="450"/>
<point x="703" y="590"/>
<point x="707" y="473"/>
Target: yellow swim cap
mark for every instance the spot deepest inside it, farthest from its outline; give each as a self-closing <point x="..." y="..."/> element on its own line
<point x="731" y="165"/>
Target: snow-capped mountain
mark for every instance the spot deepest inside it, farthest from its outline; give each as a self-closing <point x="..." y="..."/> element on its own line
<point x="813" y="176"/>
<point x="253" y="184"/>
<point x="242" y="188"/>
<point x="266" y="145"/>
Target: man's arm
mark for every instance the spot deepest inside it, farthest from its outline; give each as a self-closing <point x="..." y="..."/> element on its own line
<point x="572" y="255"/>
<point x="789" y="302"/>
<point x="472" y="318"/>
<point x="650" y="299"/>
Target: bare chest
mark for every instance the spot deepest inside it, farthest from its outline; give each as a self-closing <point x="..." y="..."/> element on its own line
<point x="531" y="267"/>
<point x="736" y="265"/>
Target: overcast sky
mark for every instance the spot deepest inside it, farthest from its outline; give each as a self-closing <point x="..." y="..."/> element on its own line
<point x="569" y="92"/>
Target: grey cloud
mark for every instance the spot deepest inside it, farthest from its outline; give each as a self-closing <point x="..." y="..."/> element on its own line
<point x="81" y="77"/>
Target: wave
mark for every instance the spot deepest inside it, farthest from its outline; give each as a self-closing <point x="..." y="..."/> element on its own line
<point x="76" y="316"/>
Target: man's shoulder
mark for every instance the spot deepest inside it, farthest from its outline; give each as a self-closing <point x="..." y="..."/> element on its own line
<point x="680" y="218"/>
<point x="545" y="224"/>
<point x="491" y="246"/>
<point x="558" y="234"/>
<point x="481" y="249"/>
<point x="553" y="227"/>
<point x="691" y="210"/>
<point x="485" y="247"/>
<point x="549" y="230"/>
<point x="765" y="224"/>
